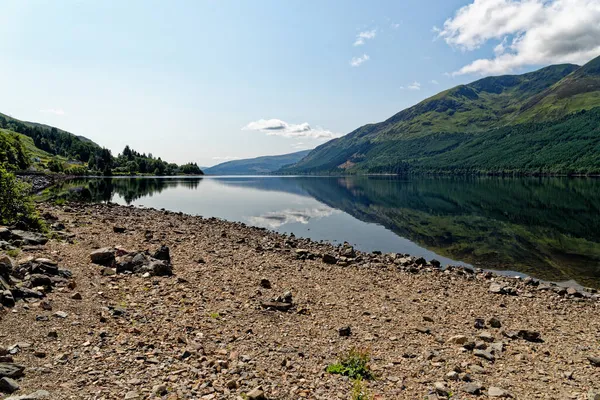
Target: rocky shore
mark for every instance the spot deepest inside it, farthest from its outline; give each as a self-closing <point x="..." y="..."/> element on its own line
<point x="129" y="303"/>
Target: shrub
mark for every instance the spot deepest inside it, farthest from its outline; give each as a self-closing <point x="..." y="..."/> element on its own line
<point x="354" y="364"/>
<point x="360" y="391"/>
<point x="16" y="206"/>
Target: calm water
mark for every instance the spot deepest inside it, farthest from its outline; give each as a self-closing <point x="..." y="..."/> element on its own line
<point x="545" y="227"/>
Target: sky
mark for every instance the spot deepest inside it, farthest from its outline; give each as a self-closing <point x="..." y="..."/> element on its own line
<point x="209" y="81"/>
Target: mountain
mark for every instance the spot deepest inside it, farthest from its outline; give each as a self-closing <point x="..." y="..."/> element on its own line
<point x="256" y="166"/>
<point x="479" y="127"/>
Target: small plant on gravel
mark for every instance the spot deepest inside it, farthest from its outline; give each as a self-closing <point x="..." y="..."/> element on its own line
<point x="215" y="315"/>
<point x="360" y="391"/>
<point x="354" y="364"/>
<point x="14" y="253"/>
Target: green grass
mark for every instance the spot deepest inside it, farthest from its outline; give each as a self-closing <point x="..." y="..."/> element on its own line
<point x="354" y="364"/>
<point x="360" y="391"/>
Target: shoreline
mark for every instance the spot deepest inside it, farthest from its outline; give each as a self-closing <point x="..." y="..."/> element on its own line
<point x="205" y="331"/>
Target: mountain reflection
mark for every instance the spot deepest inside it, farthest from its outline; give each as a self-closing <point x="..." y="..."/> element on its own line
<point x="546" y="227"/>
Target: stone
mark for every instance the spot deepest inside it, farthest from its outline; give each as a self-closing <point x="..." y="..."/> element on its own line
<point x="40" y="394"/>
<point x="7" y="265"/>
<point x="479" y="323"/>
<point x="276" y="305"/>
<point x="452" y="376"/>
<point x="495" y="391"/>
<point x="61" y="314"/>
<point x="5" y="233"/>
<point x="495" y="323"/>
<point x="132" y="395"/>
<point x="256" y="394"/>
<point x="345" y="331"/>
<point x="592" y="395"/>
<point x="329" y="259"/>
<point x="484" y="354"/>
<point x="473" y="388"/>
<point x="160" y="390"/>
<point x="458" y="339"/>
<point x="76" y="296"/>
<point x="29" y="238"/>
<point x="119" y="229"/>
<point x="40" y="280"/>
<point x="530" y="336"/>
<point x="7" y="299"/>
<point x="496" y="288"/>
<point x="10" y="370"/>
<point x="486" y="337"/>
<point x="8" y="385"/>
<point x="441" y="389"/>
<point x="160" y="268"/>
<point x="163" y="254"/>
<point x="265" y="283"/>
<point x="104" y="256"/>
<point x="595" y="361"/>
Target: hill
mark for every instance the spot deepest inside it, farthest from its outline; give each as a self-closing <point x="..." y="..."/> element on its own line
<point x="24" y="144"/>
<point x="484" y="121"/>
<point x="256" y="166"/>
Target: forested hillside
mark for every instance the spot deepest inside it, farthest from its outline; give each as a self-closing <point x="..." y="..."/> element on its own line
<point x="23" y="144"/>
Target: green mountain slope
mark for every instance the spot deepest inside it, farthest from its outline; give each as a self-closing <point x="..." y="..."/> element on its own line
<point x="416" y="138"/>
<point x="259" y="165"/>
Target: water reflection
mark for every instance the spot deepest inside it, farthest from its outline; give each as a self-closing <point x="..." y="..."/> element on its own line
<point x="546" y="227"/>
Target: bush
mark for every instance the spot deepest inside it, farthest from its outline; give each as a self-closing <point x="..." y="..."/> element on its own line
<point x="16" y="206"/>
<point x="360" y="391"/>
<point x="355" y="365"/>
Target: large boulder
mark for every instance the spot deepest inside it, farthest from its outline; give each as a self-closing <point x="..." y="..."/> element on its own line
<point x="7" y="265"/>
<point x="163" y="253"/>
<point x="10" y="370"/>
<point x="104" y="256"/>
<point x="29" y="238"/>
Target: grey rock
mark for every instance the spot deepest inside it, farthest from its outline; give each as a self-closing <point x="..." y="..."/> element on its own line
<point x="495" y="391"/>
<point x="345" y="331"/>
<point x="329" y="259"/>
<point x="265" y="283"/>
<point x="495" y="322"/>
<point x="484" y="354"/>
<point x="441" y="389"/>
<point x="104" y="256"/>
<point x="473" y="388"/>
<point x="8" y="385"/>
<point x="40" y="394"/>
<point x="530" y="336"/>
<point x="256" y="394"/>
<point x="163" y="254"/>
<point x="595" y="361"/>
<point x="29" y="238"/>
<point x="10" y="370"/>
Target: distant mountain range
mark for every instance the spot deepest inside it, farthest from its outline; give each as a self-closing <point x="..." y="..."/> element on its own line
<point x="531" y="123"/>
<point x="256" y="166"/>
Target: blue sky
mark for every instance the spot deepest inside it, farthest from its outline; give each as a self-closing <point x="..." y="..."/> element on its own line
<point x="205" y="81"/>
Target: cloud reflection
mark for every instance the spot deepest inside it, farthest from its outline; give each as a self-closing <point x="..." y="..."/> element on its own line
<point x="276" y="219"/>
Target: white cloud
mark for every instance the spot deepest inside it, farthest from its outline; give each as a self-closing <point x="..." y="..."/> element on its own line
<point x="414" y="86"/>
<point x="363" y="36"/>
<point x="55" y="111"/>
<point x="395" y="26"/>
<point x="357" y="61"/>
<point x="277" y="127"/>
<point x="530" y="32"/>
<point x="434" y="82"/>
<point x="225" y="158"/>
